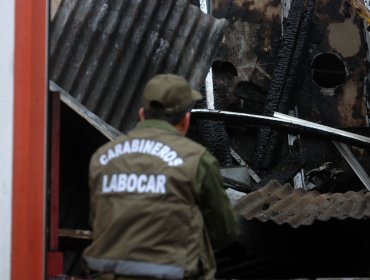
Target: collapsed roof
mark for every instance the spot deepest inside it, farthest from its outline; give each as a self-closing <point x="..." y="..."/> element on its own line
<point x="103" y="52"/>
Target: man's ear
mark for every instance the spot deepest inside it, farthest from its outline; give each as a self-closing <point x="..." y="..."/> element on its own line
<point x="141" y="114"/>
<point x="184" y="123"/>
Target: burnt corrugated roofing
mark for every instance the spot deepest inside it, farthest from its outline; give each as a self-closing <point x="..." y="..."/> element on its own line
<point x="103" y="52"/>
<point x="296" y="207"/>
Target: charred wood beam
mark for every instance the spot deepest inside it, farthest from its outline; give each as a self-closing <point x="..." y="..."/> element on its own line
<point x="213" y="134"/>
<point x="214" y="137"/>
<point x="284" y="123"/>
<point x="283" y="80"/>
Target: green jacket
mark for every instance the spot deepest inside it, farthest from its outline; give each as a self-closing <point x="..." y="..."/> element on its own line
<point x="157" y="205"/>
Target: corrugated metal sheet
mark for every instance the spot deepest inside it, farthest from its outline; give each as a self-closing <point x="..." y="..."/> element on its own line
<point x="103" y="52"/>
<point x="283" y="204"/>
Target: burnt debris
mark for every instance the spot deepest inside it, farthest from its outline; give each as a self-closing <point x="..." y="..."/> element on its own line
<point x="283" y="81"/>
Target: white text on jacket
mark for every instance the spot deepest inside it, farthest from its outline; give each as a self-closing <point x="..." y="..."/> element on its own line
<point x="143" y="146"/>
<point x="122" y="182"/>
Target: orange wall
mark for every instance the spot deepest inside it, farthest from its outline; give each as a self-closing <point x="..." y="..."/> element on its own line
<point x="28" y="234"/>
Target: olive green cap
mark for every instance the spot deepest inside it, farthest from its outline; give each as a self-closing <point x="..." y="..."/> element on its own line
<point x="169" y="93"/>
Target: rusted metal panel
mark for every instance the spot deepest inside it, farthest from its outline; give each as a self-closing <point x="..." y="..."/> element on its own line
<point x="338" y="31"/>
<point x="103" y="52"/>
<point x="331" y="85"/>
<point x="283" y="204"/>
<point x="337" y="47"/>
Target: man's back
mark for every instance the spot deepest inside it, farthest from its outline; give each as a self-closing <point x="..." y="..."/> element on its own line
<point x="157" y="198"/>
<point x="148" y="217"/>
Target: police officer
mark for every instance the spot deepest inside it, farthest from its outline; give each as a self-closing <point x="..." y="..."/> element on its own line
<point x="157" y="199"/>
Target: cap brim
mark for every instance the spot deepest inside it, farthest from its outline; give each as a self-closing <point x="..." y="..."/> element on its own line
<point x="196" y="95"/>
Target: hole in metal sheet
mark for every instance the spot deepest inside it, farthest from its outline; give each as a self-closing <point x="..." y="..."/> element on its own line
<point x="226" y="68"/>
<point x="328" y="70"/>
<point x="265" y="206"/>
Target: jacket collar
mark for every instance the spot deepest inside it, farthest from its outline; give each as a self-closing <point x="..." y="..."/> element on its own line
<point x="157" y="124"/>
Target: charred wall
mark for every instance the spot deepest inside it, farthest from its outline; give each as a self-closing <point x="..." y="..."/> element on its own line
<point x="249" y="47"/>
<point x="333" y="91"/>
<point x="327" y="87"/>
<point x="331" y="88"/>
<point x="245" y="62"/>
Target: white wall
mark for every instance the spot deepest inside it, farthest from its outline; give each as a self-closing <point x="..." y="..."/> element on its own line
<point x="7" y="19"/>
